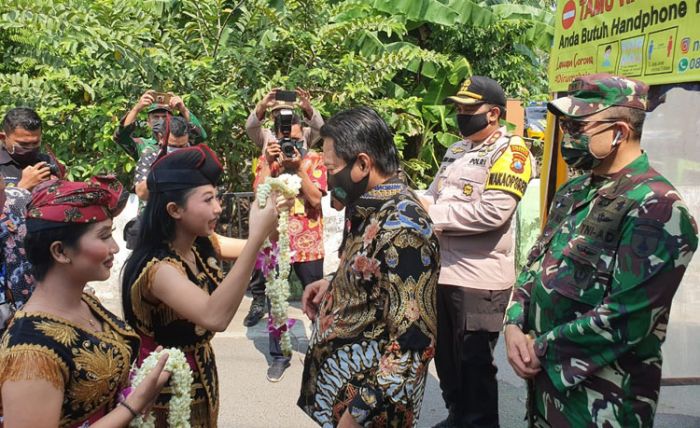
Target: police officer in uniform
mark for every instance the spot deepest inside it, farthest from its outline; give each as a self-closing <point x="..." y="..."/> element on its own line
<point x="590" y="309"/>
<point x="472" y="201"/>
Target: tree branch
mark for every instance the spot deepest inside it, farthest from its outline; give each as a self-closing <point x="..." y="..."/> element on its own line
<point x="221" y="29"/>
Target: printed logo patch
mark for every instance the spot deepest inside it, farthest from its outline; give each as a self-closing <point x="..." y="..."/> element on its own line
<point x="468" y="189"/>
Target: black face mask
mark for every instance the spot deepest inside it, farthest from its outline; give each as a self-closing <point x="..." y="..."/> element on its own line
<point x="470" y="124"/>
<point x="25" y="156"/>
<point x="158" y="128"/>
<point x="343" y="188"/>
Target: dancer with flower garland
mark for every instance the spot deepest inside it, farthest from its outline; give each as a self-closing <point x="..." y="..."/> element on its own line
<point x="174" y="291"/>
<point x="375" y="322"/>
<point x="64" y="358"/>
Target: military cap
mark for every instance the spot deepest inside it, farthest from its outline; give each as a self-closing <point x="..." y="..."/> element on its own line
<point x="186" y="168"/>
<point x="155" y="107"/>
<point x="597" y="92"/>
<point x="478" y="90"/>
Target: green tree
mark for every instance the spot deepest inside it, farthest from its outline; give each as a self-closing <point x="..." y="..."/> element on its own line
<point x="83" y="63"/>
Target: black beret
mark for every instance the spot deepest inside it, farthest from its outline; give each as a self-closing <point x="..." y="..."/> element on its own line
<point x="185" y="168"/>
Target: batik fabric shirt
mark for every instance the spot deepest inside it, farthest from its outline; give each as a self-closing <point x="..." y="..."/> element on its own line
<point x="157" y="324"/>
<point x="91" y="368"/>
<point x="16" y="279"/>
<point x="374" y="335"/>
<point x="596" y="293"/>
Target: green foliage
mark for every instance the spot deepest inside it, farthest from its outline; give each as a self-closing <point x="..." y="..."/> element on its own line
<point x="84" y="63"/>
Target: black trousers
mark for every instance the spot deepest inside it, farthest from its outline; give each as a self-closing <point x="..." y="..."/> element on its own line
<point x="468" y="324"/>
<point x="257" y="284"/>
<point x="307" y="272"/>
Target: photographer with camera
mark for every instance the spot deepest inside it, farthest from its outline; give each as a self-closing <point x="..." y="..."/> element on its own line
<point x="22" y="163"/>
<point x="286" y="154"/>
<point x="159" y="107"/>
<point x="22" y="168"/>
<point x="275" y="101"/>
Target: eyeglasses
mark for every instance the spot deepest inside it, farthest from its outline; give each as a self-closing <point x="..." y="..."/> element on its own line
<point x="576" y="127"/>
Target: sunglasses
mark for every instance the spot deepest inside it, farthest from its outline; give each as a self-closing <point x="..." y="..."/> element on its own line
<point x="576" y="127"/>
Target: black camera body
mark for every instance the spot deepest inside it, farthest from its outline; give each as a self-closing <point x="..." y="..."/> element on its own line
<point x="55" y="170"/>
<point x="288" y="144"/>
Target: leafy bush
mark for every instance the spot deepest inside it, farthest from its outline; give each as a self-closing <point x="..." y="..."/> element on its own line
<point x="83" y="63"/>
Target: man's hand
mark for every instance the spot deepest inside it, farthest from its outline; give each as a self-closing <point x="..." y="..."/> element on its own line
<point x="272" y="151"/>
<point x="313" y="293"/>
<point x="33" y="175"/>
<point x="145" y="101"/>
<point x="347" y="421"/>
<point x="176" y="103"/>
<point x="291" y="164"/>
<point x="534" y="361"/>
<point x="519" y="352"/>
<point x="304" y="103"/>
<point x="267" y="102"/>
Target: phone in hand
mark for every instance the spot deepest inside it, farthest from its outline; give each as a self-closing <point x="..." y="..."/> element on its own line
<point x="161" y="97"/>
<point x="289" y="96"/>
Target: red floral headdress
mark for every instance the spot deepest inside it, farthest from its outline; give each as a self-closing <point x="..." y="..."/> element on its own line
<point x="57" y="203"/>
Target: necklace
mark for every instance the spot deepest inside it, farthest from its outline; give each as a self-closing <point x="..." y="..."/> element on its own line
<point x="191" y="261"/>
<point x="91" y="323"/>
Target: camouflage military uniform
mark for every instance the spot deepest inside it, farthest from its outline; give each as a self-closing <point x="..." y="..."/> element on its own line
<point x="596" y="293"/>
<point x="136" y="147"/>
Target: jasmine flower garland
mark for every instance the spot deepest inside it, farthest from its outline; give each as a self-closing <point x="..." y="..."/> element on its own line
<point x="277" y="288"/>
<point x="181" y="383"/>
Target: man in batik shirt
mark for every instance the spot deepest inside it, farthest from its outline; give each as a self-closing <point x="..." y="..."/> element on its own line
<point x="595" y="295"/>
<point x="374" y="321"/>
<point x="16" y="279"/>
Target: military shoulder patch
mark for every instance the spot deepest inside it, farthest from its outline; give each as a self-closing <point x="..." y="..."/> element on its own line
<point x="512" y="171"/>
<point x="645" y="239"/>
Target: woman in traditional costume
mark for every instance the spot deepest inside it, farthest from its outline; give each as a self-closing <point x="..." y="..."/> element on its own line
<point x="64" y="358"/>
<point x="174" y="291"/>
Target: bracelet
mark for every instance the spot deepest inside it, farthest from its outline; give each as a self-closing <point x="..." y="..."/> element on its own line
<point x="131" y="410"/>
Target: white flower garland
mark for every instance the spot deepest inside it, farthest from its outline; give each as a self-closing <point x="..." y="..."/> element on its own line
<point x="277" y="287"/>
<point x="181" y="382"/>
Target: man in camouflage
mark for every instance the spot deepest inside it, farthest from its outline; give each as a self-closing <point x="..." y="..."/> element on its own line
<point x="157" y="121"/>
<point x="595" y="295"/>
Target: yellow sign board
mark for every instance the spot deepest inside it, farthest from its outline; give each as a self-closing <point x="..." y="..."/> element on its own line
<point x="655" y="41"/>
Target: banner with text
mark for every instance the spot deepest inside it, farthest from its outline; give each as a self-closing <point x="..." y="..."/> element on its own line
<point x="651" y="40"/>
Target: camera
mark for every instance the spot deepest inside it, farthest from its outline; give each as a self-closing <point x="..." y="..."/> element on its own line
<point x="162" y="98"/>
<point x="54" y="169"/>
<point x="287" y="144"/>
<point x="288" y="96"/>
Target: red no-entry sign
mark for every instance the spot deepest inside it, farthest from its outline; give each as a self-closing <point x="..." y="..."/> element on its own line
<point x="568" y="15"/>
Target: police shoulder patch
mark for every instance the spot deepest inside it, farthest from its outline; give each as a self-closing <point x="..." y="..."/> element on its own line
<point x="512" y="171"/>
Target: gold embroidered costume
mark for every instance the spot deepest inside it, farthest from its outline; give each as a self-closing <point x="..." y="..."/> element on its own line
<point x="90" y="367"/>
<point x="158" y="324"/>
